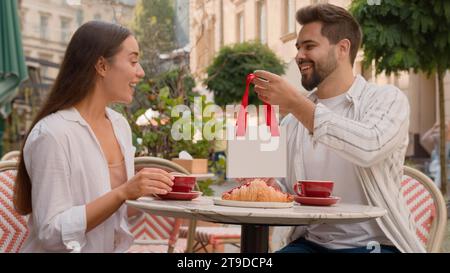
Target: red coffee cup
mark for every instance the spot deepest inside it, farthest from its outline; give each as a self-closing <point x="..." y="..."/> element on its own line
<point x="183" y="183"/>
<point x="314" y="188"/>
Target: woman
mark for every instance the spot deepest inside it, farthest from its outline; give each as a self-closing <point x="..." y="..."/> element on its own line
<point x="76" y="168"/>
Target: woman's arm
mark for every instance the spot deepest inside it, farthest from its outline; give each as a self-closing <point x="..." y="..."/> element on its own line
<point x="57" y="220"/>
<point x="146" y="182"/>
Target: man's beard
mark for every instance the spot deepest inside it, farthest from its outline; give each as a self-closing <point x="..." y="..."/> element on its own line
<point x="312" y="81"/>
<point x="319" y="72"/>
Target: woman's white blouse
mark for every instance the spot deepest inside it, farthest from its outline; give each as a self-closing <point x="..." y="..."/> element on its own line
<point x="68" y="170"/>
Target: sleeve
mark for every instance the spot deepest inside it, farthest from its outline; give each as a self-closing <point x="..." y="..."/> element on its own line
<point x="60" y="225"/>
<point x="282" y="183"/>
<point x="383" y="125"/>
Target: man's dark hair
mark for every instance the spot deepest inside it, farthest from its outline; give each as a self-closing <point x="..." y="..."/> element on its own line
<point x="337" y="24"/>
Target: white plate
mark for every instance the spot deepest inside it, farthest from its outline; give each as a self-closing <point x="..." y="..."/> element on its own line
<point x="245" y="204"/>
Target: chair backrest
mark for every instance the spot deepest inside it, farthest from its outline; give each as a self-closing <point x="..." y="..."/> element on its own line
<point x="13" y="226"/>
<point x="155" y="162"/>
<point x="147" y="227"/>
<point x="427" y="208"/>
<point x="13" y="155"/>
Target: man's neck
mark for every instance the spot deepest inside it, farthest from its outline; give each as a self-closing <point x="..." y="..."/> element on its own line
<point x="337" y="83"/>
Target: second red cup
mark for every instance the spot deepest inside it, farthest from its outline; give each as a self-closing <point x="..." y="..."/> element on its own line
<point x="314" y="188"/>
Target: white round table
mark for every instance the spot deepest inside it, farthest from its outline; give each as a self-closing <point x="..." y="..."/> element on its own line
<point x="256" y="221"/>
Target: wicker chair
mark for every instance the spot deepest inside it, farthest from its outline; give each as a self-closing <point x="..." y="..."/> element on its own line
<point x="213" y="236"/>
<point x="427" y="207"/>
<point x="13" y="155"/>
<point x="14" y="231"/>
<point x="157" y="233"/>
<point x="13" y="226"/>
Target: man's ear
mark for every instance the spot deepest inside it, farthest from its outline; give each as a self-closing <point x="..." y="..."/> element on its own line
<point x="343" y="47"/>
<point x="101" y="66"/>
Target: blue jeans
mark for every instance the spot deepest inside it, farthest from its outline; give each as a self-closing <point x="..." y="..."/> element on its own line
<point x="302" y="245"/>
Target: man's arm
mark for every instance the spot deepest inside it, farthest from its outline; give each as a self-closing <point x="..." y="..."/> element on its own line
<point x="365" y="142"/>
<point x="383" y="125"/>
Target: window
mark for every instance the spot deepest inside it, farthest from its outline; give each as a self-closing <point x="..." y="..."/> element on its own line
<point x="23" y="13"/>
<point x="290" y="16"/>
<point x="45" y="75"/>
<point x="262" y="21"/>
<point x="44" y="27"/>
<point x="65" y="30"/>
<point x="80" y="17"/>
<point x="288" y="22"/>
<point x="240" y="27"/>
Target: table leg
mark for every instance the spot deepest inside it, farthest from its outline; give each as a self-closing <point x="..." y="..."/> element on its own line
<point x="254" y="239"/>
<point x="191" y="236"/>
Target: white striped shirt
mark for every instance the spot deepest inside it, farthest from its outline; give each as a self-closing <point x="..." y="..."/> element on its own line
<point x="373" y="135"/>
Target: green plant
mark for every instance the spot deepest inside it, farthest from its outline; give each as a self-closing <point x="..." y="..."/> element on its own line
<point x="205" y="187"/>
<point x="179" y="82"/>
<point x="227" y="73"/>
<point x="218" y="167"/>
<point x="154" y="138"/>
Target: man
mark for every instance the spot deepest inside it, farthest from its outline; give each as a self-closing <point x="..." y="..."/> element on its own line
<point x="347" y="130"/>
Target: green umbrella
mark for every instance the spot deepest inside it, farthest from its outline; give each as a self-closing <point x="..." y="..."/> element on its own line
<point x="13" y="69"/>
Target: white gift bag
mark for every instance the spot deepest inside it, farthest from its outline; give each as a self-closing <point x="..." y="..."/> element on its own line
<point x="256" y="151"/>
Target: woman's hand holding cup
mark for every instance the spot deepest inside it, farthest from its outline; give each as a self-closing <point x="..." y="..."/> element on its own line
<point x="147" y="181"/>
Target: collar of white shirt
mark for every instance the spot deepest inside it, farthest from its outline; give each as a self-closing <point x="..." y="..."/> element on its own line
<point x="72" y="114"/>
<point x="353" y="93"/>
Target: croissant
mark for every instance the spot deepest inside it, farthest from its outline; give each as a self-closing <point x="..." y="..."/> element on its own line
<point x="257" y="191"/>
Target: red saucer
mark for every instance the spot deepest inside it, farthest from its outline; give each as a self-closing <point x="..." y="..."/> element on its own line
<point x="180" y="195"/>
<point x="316" y="201"/>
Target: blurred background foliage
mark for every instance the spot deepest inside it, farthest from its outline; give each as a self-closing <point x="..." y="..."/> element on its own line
<point x="229" y="69"/>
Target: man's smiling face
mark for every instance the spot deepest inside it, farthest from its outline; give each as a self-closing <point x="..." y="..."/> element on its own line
<point x="316" y="57"/>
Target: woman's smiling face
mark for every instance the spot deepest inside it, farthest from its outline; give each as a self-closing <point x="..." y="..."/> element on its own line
<point x="123" y="73"/>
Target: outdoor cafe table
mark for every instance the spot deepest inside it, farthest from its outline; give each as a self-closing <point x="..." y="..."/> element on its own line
<point x="255" y="222"/>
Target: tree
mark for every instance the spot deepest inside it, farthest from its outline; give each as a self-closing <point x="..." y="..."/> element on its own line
<point x="227" y="74"/>
<point x="153" y="27"/>
<point x="403" y="35"/>
<point x="179" y="81"/>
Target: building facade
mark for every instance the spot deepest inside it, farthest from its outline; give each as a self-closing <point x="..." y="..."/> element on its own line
<point x="48" y="25"/>
<point x="215" y="23"/>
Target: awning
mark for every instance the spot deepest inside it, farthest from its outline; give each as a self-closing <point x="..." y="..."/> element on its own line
<point x="13" y="69"/>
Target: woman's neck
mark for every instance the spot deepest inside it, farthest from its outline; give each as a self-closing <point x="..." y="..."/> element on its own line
<point x="93" y="107"/>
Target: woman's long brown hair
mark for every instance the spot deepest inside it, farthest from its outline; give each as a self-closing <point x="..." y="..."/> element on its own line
<point x="76" y="78"/>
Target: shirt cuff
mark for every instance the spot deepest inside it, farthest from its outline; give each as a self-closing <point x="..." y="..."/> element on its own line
<point x="73" y="228"/>
<point x="282" y="186"/>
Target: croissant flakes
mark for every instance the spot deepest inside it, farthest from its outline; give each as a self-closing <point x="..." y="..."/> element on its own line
<point x="257" y="191"/>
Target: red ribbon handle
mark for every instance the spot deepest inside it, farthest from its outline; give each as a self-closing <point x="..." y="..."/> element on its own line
<point x="241" y="122"/>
